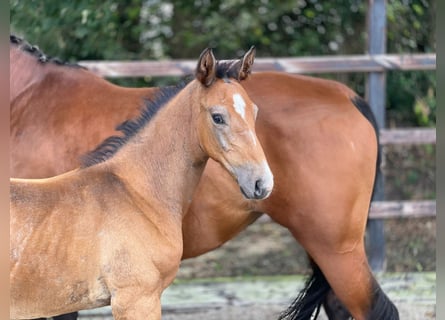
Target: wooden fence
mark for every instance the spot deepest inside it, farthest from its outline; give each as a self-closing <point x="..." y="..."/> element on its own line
<point x="323" y="64"/>
<point x="355" y="63"/>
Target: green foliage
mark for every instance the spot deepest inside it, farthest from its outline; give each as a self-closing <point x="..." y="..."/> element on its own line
<point x="411" y="95"/>
<point x="411" y="26"/>
<point x="181" y="29"/>
<point x="411" y="98"/>
<point x="155" y="29"/>
<point x="276" y="28"/>
<point x="80" y="30"/>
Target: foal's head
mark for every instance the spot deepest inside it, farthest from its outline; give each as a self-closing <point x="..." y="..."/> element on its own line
<point x="226" y="123"/>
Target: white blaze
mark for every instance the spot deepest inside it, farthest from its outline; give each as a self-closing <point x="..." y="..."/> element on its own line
<point x="240" y="105"/>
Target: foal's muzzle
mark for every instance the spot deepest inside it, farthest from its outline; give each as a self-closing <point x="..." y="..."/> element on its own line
<point x="256" y="182"/>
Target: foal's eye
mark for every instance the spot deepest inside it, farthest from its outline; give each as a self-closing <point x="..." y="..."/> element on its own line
<point x="218" y="118"/>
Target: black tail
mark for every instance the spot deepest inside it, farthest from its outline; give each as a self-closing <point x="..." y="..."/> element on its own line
<point x="365" y="109"/>
<point x="310" y="299"/>
<point x="375" y="227"/>
<point x="382" y="307"/>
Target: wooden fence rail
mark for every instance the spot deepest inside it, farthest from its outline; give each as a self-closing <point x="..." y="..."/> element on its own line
<point x="399" y="209"/>
<point x="408" y="136"/>
<point x="323" y="64"/>
<point x="392" y="209"/>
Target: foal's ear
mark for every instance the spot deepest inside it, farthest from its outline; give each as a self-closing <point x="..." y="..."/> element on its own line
<point x="206" y="69"/>
<point x="246" y="64"/>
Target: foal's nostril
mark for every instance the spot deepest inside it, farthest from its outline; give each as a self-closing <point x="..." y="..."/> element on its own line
<point x="259" y="190"/>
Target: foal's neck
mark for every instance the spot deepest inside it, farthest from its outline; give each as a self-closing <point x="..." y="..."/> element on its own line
<point x="164" y="161"/>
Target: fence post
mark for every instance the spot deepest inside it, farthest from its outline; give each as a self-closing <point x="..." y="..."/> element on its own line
<point x="376" y="96"/>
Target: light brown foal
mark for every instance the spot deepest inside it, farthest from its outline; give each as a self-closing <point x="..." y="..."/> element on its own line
<point x="111" y="231"/>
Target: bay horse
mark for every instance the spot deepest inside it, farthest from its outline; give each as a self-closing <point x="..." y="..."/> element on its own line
<point x="320" y="138"/>
<point x="110" y="232"/>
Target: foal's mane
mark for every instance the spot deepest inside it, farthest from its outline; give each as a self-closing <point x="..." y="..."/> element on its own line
<point x="37" y="53"/>
<point x="129" y="128"/>
<point x="225" y="70"/>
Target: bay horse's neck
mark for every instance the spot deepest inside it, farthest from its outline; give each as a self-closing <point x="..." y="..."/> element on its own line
<point x="164" y="161"/>
<point x="26" y="71"/>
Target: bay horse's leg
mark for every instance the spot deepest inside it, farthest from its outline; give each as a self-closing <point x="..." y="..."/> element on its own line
<point x="357" y="288"/>
<point x="349" y="274"/>
<point x="341" y="264"/>
<point x="333" y="307"/>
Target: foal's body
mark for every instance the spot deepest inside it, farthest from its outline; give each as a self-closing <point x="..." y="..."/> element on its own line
<point x="320" y="143"/>
<point x="103" y="247"/>
<point x="110" y="232"/>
